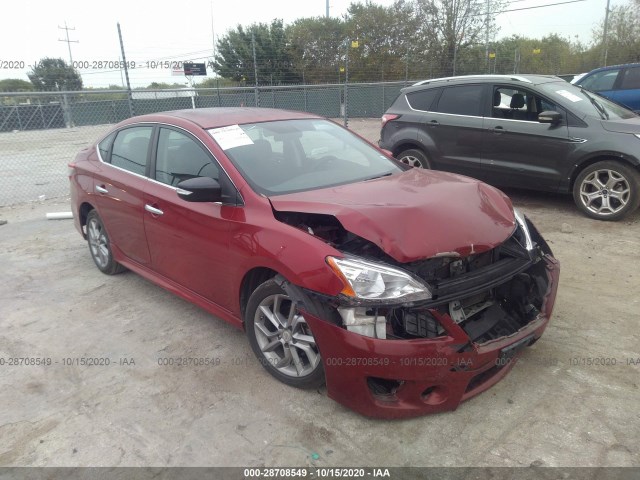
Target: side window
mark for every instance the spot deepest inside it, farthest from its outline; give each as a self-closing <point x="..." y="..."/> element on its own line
<point x="518" y="104"/>
<point x="462" y="100"/>
<point x="104" y="146"/>
<point x="423" y="99"/>
<point x="180" y="157"/>
<point x="600" y="81"/>
<point x="631" y="79"/>
<point x="131" y="148"/>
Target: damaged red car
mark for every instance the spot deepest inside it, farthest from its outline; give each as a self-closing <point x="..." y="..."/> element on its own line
<point x="406" y="291"/>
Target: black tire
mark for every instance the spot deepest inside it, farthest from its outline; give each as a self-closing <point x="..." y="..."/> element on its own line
<point x="100" y="246"/>
<point x="607" y="190"/>
<point x="415" y="158"/>
<point x="276" y="350"/>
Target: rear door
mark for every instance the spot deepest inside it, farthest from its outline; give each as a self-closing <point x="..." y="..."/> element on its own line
<point x="519" y="151"/>
<point x="628" y="88"/>
<point x="119" y="186"/>
<point x="453" y="130"/>
<point x="188" y="241"/>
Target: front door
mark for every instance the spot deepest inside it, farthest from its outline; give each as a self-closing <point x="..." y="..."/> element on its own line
<point x="188" y="241"/>
<point x="518" y="151"/>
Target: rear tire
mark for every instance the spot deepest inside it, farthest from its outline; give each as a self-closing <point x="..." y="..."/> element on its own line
<point x="607" y="190"/>
<point x="414" y="158"/>
<point x="100" y="246"/>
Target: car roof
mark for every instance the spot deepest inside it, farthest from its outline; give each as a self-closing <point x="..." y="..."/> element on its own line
<point x="611" y="67"/>
<point x="222" y="116"/>
<point x="524" y="79"/>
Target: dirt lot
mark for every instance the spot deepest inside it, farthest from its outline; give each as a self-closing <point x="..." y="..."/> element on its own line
<point x="558" y="406"/>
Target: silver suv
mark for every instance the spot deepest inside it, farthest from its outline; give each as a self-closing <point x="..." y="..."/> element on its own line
<point x="526" y="131"/>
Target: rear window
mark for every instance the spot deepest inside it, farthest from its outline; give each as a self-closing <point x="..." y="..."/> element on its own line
<point x="461" y="100"/>
<point x="423" y="99"/>
<point x="631" y="79"/>
<point x="131" y="149"/>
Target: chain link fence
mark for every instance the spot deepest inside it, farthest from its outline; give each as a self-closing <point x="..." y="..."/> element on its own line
<point x="40" y="133"/>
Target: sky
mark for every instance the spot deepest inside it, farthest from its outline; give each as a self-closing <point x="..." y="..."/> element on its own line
<point x="182" y="31"/>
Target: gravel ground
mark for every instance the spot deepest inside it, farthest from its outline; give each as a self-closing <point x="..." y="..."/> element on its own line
<point x="571" y="401"/>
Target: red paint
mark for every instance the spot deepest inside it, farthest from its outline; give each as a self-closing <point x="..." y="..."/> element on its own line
<point x="202" y="252"/>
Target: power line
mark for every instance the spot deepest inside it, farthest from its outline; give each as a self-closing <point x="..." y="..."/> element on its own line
<point x="530" y="8"/>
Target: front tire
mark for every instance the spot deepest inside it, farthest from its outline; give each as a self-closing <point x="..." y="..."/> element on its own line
<point x="281" y="339"/>
<point x="414" y="158"/>
<point x="607" y="190"/>
<point x="100" y="246"/>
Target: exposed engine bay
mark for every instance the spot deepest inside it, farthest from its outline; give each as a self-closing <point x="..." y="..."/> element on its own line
<point x="489" y="295"/>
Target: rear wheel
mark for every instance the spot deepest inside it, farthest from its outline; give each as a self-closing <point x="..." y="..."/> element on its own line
<point x="281" y="339"/>
<point x="100" y="246"/>
<point x="414" y="157"/>
<point x="607" y="190"/>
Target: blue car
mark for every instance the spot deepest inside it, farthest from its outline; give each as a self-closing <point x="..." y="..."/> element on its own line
<point x="620" y="83"/>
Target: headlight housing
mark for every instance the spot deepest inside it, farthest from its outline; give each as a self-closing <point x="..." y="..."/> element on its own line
<point x="525" y="230"/>
<point x="368" y="282"/>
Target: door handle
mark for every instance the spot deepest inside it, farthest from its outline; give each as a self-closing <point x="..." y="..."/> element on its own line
<point x="498" y="129"/>
<point x="153" y="210"/>
<point x="434" y="123"/>
<point x="100" y="189"/>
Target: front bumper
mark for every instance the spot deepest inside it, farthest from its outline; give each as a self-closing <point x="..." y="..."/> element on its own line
<point x="421" y="376"/>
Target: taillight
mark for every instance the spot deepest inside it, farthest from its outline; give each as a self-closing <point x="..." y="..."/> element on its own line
<point x="387" y="117"/>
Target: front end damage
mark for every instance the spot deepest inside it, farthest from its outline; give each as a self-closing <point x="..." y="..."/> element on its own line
<point x="427" y="352"/>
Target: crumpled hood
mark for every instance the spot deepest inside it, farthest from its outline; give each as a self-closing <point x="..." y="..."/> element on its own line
<point x="629" y="125"/>
<point x="414" y="215"/>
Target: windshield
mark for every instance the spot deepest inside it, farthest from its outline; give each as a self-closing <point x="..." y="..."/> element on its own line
<point x="584" y="102"/>
<point x="297" y="155"/>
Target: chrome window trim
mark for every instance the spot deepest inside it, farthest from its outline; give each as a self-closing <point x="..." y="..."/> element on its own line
<point x="153" y="179"/>
<point x="455" y="114"/>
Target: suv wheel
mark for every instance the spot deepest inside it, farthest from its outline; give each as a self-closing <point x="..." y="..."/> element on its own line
<point x="415" y="158"/>
<point x="607" y="190"/>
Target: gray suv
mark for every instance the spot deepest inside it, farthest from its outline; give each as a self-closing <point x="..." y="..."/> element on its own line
<point x="526" y="131"/>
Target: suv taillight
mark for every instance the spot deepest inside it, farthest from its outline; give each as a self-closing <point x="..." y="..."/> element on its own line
<point x="387" y="117"/>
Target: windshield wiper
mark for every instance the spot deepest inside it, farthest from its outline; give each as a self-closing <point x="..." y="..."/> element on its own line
<point x="378" y="176"/>
<point x="601" y="110"/>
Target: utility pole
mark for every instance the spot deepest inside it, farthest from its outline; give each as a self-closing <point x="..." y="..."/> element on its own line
<point x="486" y="37"/>
<point x="327" y="9"/>
<point x="605" y="32"/>
<point x="69" y="42"/>
<point x="132" y="111"/>
<point x="346" y="87"/>
<point x="255" y="67"/>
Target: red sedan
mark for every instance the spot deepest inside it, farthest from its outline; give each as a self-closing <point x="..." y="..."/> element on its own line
<point x="407" y="291"/>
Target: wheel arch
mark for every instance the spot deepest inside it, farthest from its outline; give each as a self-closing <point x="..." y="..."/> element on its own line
<point x="601" y="157"/>
<point x="250" y="281"/>
<point x="409" y="145"/>
<point x="83" y="212"/>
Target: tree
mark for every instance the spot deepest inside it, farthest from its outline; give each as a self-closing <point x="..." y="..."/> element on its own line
<point x="53" y="74"/>
<point x="314" y="45"/>
<point x="234" y="59"/>
<point x="164" y="85"/>
<point x="15" y="85"/>
<point x="386" y="39"/>
<point x="623" y="36"/>
<point x="451" y="28"/>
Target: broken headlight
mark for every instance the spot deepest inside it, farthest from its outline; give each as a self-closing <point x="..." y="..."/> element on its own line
<point x="372" y="282"/>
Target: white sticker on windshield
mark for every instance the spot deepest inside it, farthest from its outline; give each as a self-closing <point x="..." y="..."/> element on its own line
<point x="568" y="95"/>
<point x="230" y="137"/>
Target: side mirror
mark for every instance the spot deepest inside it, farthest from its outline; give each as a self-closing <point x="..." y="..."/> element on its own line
<point x="550" y="116"/>
<point x="200" y="189"/>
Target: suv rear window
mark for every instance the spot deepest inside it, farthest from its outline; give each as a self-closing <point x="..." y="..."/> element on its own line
<point x="461" y="100"/>
<point x="422" y="99"/>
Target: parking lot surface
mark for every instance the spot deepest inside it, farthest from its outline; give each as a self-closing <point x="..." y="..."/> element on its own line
<point x="116" y="394"/>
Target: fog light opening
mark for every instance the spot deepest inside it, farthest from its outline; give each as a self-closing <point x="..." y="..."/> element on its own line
<point x="434" y="395"/>
<point x="383" y="388"/>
